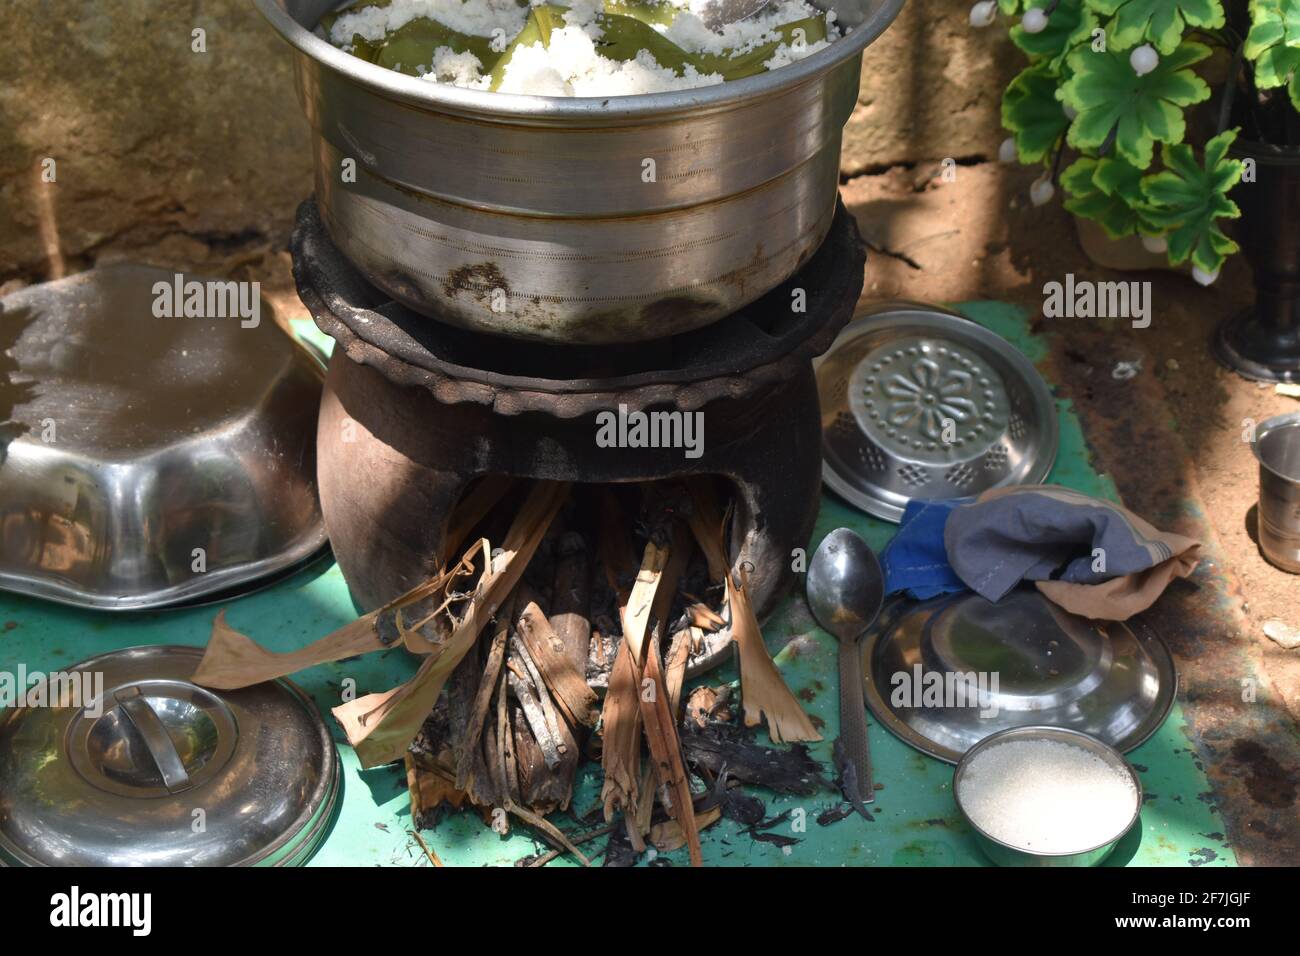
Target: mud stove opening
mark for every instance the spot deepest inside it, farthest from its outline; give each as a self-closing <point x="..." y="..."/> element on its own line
<point x="417" y="415"/>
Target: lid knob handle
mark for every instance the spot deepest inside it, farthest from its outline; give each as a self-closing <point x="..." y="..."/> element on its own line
<point x="156" y="739"/>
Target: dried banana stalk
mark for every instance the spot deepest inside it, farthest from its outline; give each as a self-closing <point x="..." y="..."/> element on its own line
<point x="381" y="726"/>
<point x="233" y="660"/>
<point x="763" y="690"/>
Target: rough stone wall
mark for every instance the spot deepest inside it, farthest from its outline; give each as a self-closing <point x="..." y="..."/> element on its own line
<point x="198" y="159"/>
<point x="931" y="88"/>
<point x="157" y="147"/>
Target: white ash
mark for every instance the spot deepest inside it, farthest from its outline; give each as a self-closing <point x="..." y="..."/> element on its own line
<point x="1047" y="796"/>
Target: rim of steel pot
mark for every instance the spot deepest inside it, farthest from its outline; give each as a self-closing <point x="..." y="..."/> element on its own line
<point x="586" y="110"/>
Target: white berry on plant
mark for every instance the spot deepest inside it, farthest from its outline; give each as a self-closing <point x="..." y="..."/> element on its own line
<point x="1034" y="21"/>
<point x="1007" y="151"/>
<point x="1155" y="244"/>
<point x="1042" y="191"/>
<point x="983" y="13"/>
<point x="1144" y="59"/>
<point x="1203" y="277"/>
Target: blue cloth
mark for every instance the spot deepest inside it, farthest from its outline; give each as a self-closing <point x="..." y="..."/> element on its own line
<point x="915" y="560"/>
<point x="1045" y="533"/>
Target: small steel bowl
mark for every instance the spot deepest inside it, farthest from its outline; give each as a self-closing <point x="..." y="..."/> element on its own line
<point x="920" y="402"/>
<point x="1004" y="854"/>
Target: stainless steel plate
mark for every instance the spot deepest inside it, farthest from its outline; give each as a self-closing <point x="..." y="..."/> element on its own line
<point x="1114" y="680"/>
<point x="921" y="402"/>
<point x="145" y="460"/>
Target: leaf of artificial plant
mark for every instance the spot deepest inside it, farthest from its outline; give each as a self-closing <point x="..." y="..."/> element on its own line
<point x="1187" y="201"/>
<point x="1159" y="22"/>
<point x="1032" y="113"/>
<point x="1273" y="43"/>
<point x="1142" y="110"/>
<point x="1067" y="26"/>
<point x="1109" y="192"/>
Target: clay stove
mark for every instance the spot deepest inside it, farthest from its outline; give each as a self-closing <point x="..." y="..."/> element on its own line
<point x="415" y="410"/>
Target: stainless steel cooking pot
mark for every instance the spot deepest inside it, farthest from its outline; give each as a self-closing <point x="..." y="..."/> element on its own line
<point x="592" y="220"/>
<point x="151" y="459"/>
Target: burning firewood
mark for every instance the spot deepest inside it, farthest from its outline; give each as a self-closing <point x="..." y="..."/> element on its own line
<point x="509" y="775"/>
<point x="557" y="664"/>
<point x="430" y="788"/>
<point x="571" y="600"/>
<point x="516" y="643"/>
<point x="380" y="726"/>
<point x="528" y="691"/>
<point x="546" y="751"/>
<point x="469" y="756"/>
<point x="647" y="608"/>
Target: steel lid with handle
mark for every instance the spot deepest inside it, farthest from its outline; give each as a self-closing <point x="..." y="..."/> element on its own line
<point x="124" y="761"/>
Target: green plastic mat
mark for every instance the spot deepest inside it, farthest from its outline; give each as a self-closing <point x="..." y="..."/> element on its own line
<point x="916" y="822"/>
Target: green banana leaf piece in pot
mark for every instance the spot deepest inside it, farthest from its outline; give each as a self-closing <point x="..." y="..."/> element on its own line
<point x="732" y="66"/>
<point x="647" y="11"/>
<point x="541" y="21"/>
<point x="412" y="46"/>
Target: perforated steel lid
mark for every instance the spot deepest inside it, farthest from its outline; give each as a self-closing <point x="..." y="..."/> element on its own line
<point x="920" y="402"/>
<point x="123" y="761"/>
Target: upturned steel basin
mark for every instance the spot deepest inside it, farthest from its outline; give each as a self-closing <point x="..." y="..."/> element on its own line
<point x="584" y="220"/>
<point x="921" y="402"/>
<point x="150" y="459"/>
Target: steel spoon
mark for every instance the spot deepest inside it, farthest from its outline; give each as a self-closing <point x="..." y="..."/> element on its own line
<point x="846" y="589"/>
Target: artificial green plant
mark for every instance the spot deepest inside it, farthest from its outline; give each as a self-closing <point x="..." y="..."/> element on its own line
<point x="1102" y="105"/>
